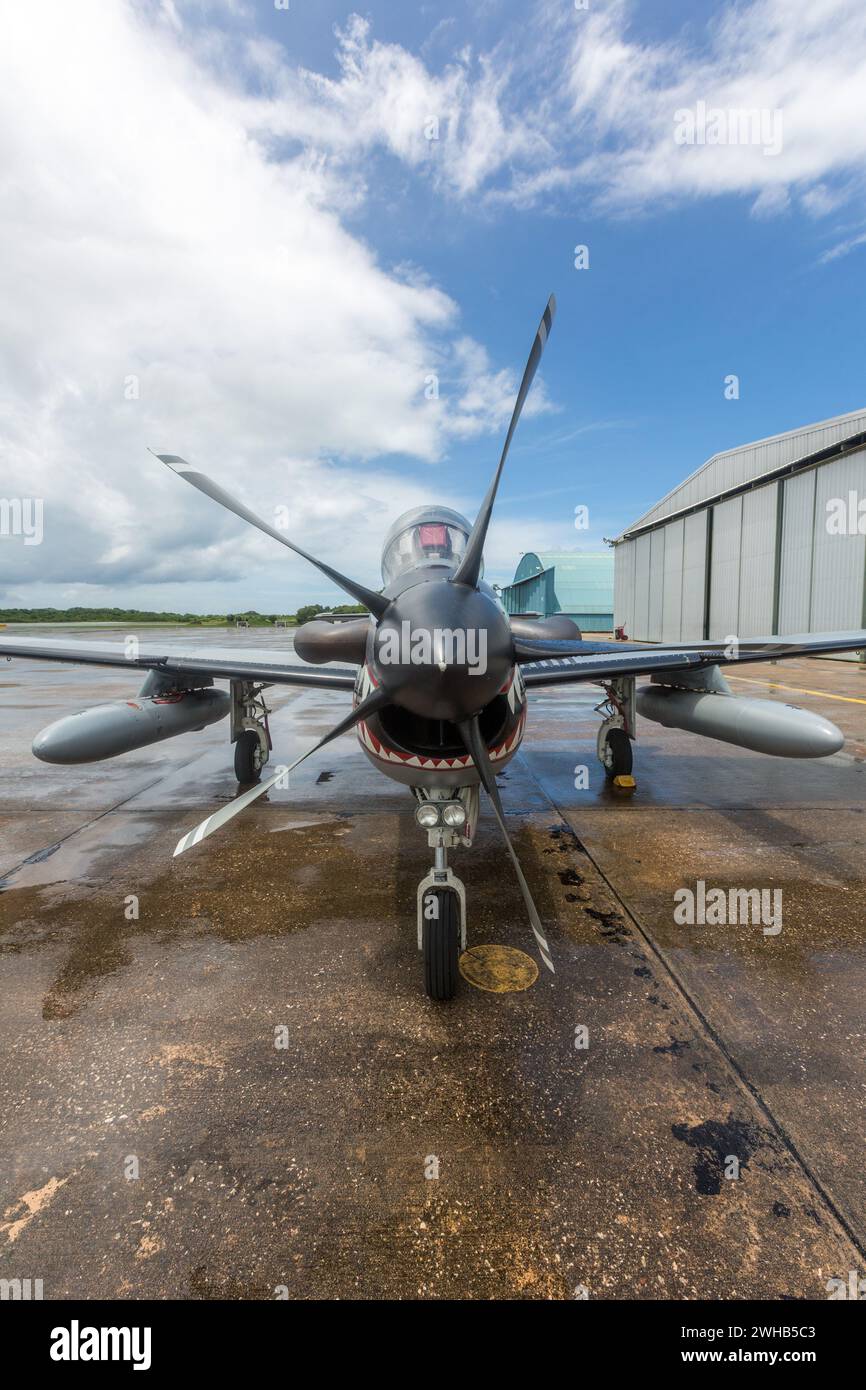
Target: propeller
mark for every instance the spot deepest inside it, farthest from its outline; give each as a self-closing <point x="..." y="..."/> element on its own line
<point x="469" y="569"/>
<point x="455" y="690"/>
<point x="470" y="732"/>
<point x="373" y="702"/>
<point x="375" y="602"/>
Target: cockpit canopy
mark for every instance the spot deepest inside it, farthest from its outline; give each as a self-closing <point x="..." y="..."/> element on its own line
<point x="424" y="536"/>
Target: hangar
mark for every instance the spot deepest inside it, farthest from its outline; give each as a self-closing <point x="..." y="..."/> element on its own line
<point x="572" y="582"/>
<point x="766" y="538"/>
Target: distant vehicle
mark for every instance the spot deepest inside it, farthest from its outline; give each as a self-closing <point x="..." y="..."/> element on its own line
<point x="439" y="677"/>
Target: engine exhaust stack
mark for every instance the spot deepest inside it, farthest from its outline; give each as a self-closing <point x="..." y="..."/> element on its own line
<point x="765" y="726"/>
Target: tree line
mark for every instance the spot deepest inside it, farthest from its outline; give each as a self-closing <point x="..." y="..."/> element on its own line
<point x="145" y="615"/>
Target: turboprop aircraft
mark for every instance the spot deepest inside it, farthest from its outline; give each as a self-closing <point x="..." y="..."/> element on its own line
<point x="439" y="676"/>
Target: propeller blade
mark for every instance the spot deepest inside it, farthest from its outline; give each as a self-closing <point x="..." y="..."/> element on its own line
<point x="375" y="602"/>
<point x="470" y="731"/>
<point x="469" y="569"/>
<point x="373" y="702"/>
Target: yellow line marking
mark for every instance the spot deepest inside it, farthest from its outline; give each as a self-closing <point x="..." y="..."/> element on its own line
<point x="777" y="685"/>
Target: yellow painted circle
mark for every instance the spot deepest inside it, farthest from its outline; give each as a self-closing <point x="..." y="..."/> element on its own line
<point x="498" y="969"/>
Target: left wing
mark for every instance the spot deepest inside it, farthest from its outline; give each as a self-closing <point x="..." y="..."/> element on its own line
<point x="226" y="663"/>
<point x="560" y="663"/>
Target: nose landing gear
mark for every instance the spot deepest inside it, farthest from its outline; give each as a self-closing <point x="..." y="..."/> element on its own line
<point x="441" y="894"/>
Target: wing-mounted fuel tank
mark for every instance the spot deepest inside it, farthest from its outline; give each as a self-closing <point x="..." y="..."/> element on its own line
<point x="702" y="702"/>
<point x="165" y="708"/>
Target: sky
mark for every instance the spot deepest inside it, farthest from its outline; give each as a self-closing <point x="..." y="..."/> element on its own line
<point x="306" y="247"/>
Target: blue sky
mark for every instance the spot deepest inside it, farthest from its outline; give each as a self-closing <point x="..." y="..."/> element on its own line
<point x="241" y="213"/>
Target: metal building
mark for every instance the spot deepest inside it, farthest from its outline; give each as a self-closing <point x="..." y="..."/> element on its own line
<point x="752" y="542"/>
<point x="564" y="581"/>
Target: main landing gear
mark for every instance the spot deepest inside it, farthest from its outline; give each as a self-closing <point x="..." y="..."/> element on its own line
<point x="449" y="817"/>
<point x="250" y="733"/>
<point x="617" y="731"/>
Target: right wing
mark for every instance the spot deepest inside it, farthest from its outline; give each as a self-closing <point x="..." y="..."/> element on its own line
<point x="222" y="663"/>
<point x="561" y="663"/>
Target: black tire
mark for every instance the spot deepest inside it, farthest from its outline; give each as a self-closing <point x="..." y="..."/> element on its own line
<point x="248" y="757"/>
<point x="617" y="754"/>
<point x="441" y="937"/>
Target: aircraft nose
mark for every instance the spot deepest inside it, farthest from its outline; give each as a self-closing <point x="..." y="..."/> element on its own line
<point x="443" y="650"/>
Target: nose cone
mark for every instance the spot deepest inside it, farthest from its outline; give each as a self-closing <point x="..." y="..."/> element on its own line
<point x="825" y="737"/>
<point x="58" y="742"/>
<point x="443" y="650"/>
<point x="87" y="735"/>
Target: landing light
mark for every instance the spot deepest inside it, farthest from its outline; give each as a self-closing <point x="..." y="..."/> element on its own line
<point x="433" y="813"/>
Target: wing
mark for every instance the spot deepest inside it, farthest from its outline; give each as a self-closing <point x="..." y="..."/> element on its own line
<point x="561" y="663"/>
<point x="226" y="663"/>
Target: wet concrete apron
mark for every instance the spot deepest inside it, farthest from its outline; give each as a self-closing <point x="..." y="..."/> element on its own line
<point x="242" y="1091"/>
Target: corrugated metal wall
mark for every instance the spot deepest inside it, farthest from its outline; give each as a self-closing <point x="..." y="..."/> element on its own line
<point x="640" y="606"/>
<point x="672" y="606"/>
<point x="767" y="555"/>
<point x="694" y="577"/>
<point x="837" y="561"/>
<point x="758" y="561"/>
<point x="656" y="584"/>
<point x="623" y="585"/>
<point x="725" y="568"/>
<point x="798" y="529"/>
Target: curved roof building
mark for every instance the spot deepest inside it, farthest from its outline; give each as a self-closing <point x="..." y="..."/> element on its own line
<point x="572" y="582"/>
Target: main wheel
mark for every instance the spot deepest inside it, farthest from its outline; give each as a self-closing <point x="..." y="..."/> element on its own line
<point x="617" y="754"/>
<point x="441" y="937"/>
<point x="248" y="757"/>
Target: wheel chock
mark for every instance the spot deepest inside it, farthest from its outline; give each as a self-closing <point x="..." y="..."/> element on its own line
<point x="625" y="783"/>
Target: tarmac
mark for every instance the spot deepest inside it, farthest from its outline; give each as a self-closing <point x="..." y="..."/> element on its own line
<point x="220" y="1076"/>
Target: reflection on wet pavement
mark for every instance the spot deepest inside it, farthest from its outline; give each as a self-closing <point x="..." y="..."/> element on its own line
<point x="248" y="1021"/>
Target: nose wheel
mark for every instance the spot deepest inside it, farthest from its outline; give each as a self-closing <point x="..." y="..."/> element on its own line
<point x="441" y="921"/>
<point x="440" y="936"/>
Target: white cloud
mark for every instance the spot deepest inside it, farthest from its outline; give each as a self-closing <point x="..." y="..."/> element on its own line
<point x="165" y="282"/>
<point x="451" y="125"/>
<point x="572" y="102"/>
<point x="803" y="58"/>
<point x="842" y="248"/>
<point x="176" y="198"/>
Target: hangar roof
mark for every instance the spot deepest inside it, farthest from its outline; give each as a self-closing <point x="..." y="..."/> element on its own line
<point x="738" y="468"/>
